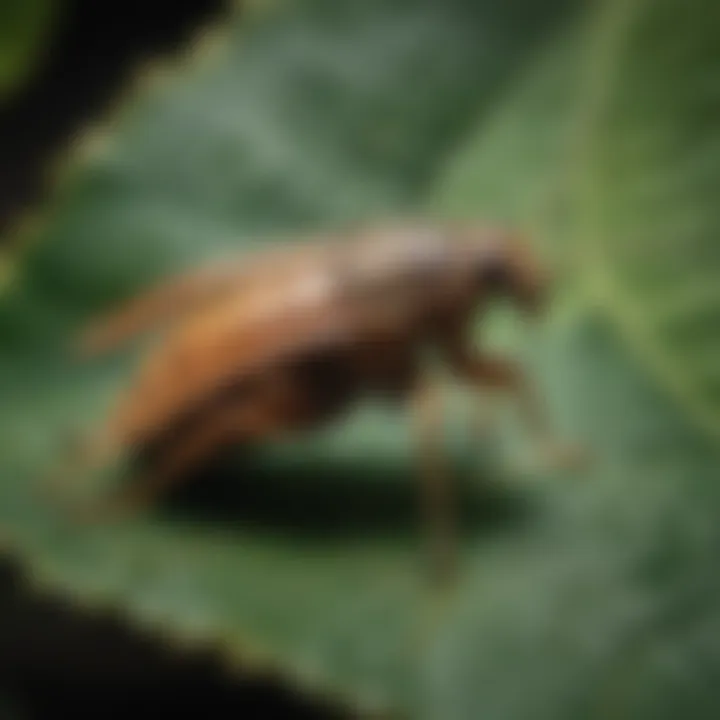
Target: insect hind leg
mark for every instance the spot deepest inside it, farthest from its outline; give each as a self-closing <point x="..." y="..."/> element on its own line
<point x="172" y="460"/>
<point x="81" y="453"/>
<point x="155" y="478"/>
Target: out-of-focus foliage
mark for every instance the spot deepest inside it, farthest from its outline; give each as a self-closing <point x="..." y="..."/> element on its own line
<point x="23" y="26"/>
<point x="584" y="597"/>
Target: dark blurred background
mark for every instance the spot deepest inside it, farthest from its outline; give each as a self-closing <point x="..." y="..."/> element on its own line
<point x="93" y="51"/>
<point x="56" y="660"/>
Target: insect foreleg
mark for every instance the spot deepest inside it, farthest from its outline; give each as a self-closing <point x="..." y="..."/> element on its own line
<point x="504" y="375"/>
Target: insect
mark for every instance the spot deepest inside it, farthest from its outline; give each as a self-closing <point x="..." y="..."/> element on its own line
<point x="284" y="340"/>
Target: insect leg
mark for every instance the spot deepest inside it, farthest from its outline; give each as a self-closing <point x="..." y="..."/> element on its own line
<point x="238" y="420"/>
<point x="81" y="454"/>
<point x="185" y="455"/>
<point x="502" y="374"/>
<point x="436" y="497"/>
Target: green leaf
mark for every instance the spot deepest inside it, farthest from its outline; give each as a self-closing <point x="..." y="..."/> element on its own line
<point x="314" y="114"/>
<point x="586" y="596"/>
<point x="607" y="153"/>
<point x="607" y="606"/>
<point x="649" y="224"/>
<point x="23" y="27"/>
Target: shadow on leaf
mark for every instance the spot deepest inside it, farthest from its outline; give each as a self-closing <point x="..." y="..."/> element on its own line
<point x="338" y="497"/>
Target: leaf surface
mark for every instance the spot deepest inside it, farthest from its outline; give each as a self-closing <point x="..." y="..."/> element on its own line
<point x="580" y="596"/>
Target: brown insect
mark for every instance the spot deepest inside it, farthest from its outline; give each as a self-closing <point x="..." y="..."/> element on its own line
<point x="283" y="340"/>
